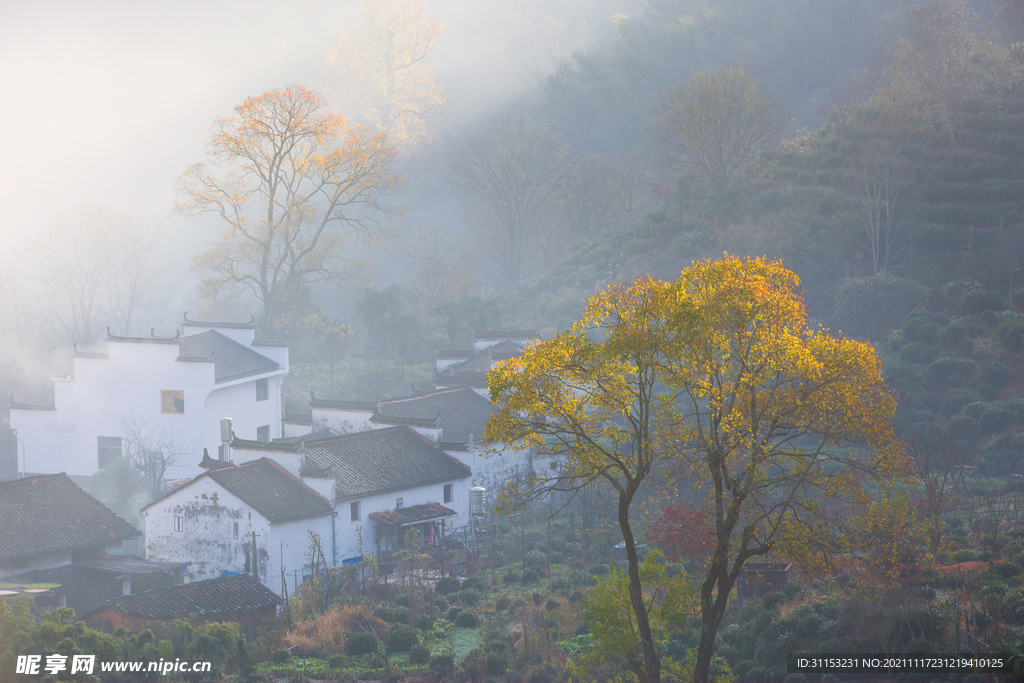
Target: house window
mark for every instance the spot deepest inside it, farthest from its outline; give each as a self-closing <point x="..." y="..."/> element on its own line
<point x="354" y="511"/>
<point x="553" y="465"/>
<point x="398" y="504"/>
<point x="179" y="523"/>
<point x="108" y="450"/>
<point x="262" y="389"/>
<point x="172" y="402"/>
<point x="234" y="529"/>
<point x="448" y="493"/>
<point x="263" y="433"/>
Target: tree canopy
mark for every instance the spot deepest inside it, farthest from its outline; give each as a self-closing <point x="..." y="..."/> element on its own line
<point x="714" y="381"/>
<point x="378" y="73"/>
<point x="716" y="123"/>
<point x="295" y="185"/>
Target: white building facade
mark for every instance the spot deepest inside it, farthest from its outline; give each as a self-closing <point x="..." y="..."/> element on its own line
<point x="174" y="389"/>
<point x="254" y="518"/>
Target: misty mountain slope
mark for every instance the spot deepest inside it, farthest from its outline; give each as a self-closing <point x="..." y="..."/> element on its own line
<point x="944" y="304"/>
<point x="602" y="98"/>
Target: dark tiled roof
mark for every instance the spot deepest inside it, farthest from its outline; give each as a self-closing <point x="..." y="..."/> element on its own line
<point x="251" y="325"/>
<point x="412" y="514"/>
<point x="295" y="441"/>
<point x="87" y="588"/>
<point x="489" y="335"/>
<point x="231" y="360"/>
<point x="315" y="402"/>
<point x="382" y="460"/>
<point x="152" y="339"/>
<point x="272" y="491"/>
<point x="505" y="350"/>
<point x="238" y="593"/>
<point x="30" y="406"/>
<point x="276" y="446"/>
<point x="477" y="380"/>
<point x="268" y="489"/>
<point x="49" y="513"/>
<point x="208" y="463"/>
<point x="297" y="418"/>
<point x="480" y="362"/>
<point x="119" y="565"/>
<point x="453" y="354"/>
<point x="460" y="412"/>
<point x="430" y="422"/>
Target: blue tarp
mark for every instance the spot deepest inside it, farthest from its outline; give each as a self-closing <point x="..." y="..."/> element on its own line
<point x="353" y="560"/>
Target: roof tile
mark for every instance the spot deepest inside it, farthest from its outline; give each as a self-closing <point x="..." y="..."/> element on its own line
<point x="49" y="513"/>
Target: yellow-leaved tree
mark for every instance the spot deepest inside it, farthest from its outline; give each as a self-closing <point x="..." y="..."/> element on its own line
<point x="716" y="381"/>
<point x="294" y="184"/>
<point x="377" y="74"/>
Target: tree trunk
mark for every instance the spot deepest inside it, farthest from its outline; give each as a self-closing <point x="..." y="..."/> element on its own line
<point x="652" y="665"/>
<point x="712" y="610"/>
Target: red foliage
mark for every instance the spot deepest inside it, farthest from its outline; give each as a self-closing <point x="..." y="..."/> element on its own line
<point x="683" y="531"/>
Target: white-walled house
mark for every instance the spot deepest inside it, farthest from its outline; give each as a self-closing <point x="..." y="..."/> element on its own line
<point x="178" y="387"/>
<point x="214" y="520"/>
<point x="374" y="471"/>
<point x="469" y="367"/>
<point x="453" y="418"/>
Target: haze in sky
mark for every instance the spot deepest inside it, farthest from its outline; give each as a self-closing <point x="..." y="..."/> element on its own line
<point x="108" y="101"/>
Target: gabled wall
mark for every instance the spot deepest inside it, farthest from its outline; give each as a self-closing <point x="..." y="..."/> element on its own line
<point x="208" y="512"/>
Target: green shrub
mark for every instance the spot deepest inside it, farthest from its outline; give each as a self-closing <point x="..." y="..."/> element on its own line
<point x="576" y="596"/>
<point x="469" y="598"/>
<point x="360" y="643"/>
<point x="502" y="604"/>
<point x="475" y="583"/>
<point x="496" y="663"/>
<point x="337" y="662"/>
<point x="442" y="666"/>
<point x="956" y="399"/>
<point x="423" y="622"/>
<point x="280" y="656"/>
<point x="391" y="613"/>
<point x="551" y="604"/>
<point x="580" y="579"/>
<point x="453" y="614"/>
<point x="441" y="605"/>
<point x="419" y="654"/>
<point x="980" y="300"/>
<point x="1011" y="334"/>
<point x="447" y="585"/>
<point x="400" y="638"/>
<point x="529" y="576"/>
<point x="467" y="619"/>
<point x="598" y="570"/>
<point x="538" y="598"/>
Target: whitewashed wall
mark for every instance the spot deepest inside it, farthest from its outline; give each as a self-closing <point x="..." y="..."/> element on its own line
<point x="208" y="512"/>
<point x="105" y="391"/>
<point x="491" y="470"/>
<point x="348" y="531"/>
<point x="127" y="385"/>
<point x="237" y="400"/>
<point x="342" y="421"/>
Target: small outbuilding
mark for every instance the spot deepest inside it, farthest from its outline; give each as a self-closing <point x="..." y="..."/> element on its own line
<point x="239" y="598"/>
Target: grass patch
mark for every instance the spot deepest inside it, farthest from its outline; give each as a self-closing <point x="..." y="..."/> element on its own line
<point x="464" y="641"/>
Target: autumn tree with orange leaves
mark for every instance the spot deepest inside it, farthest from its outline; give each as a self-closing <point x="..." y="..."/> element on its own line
<point x="378" y="74"/>
<point x="295" y="185"/>
<point x="716" y="381"/>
